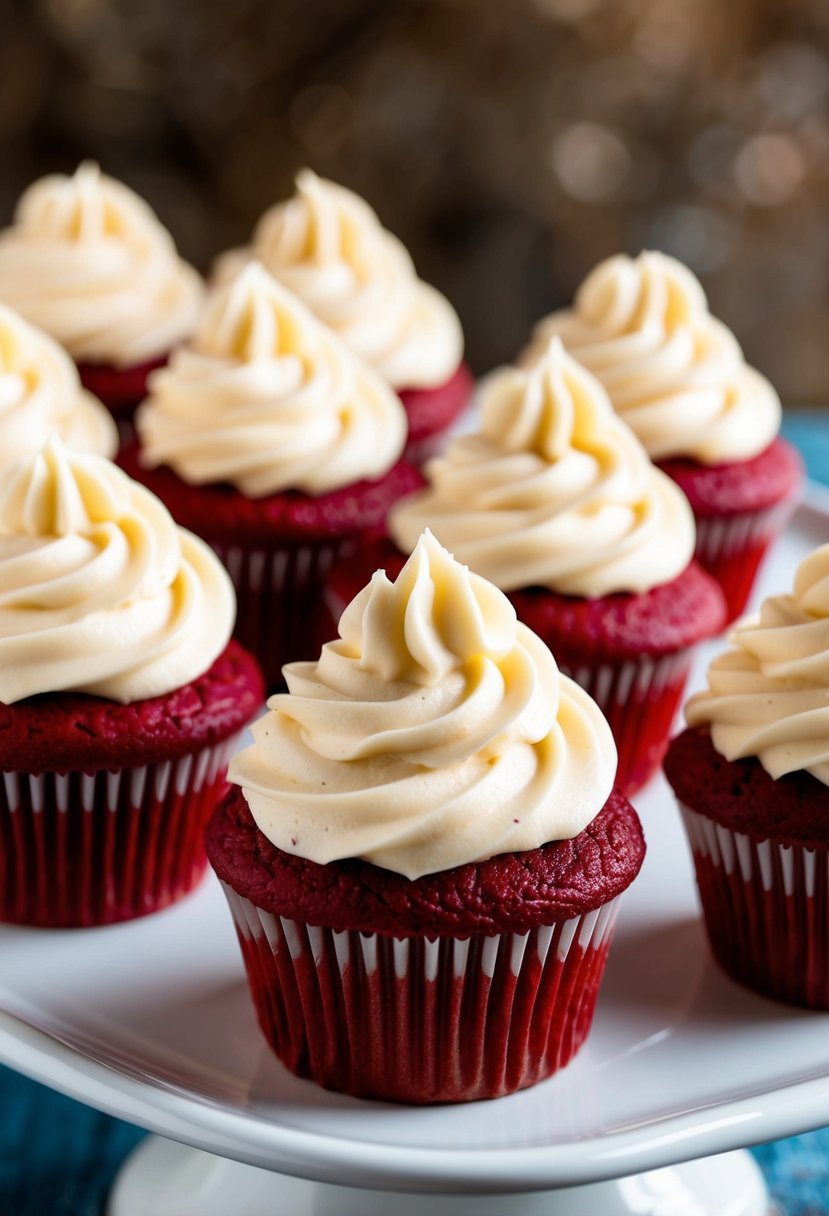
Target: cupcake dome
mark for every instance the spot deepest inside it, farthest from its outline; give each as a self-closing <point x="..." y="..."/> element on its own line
<point x="328" y="247"/>
<point x="429" y="789"/>
<point x="555" y="501"/>
<point x="752" y="777"/>
<point x="41" y="396"/>
<point x="119" y="694"/>
<point x="273" y="442"/>
<point x="678" y="378"/>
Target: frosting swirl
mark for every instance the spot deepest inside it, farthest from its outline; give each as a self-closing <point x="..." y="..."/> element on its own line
<point x="41" y="395"/>
<point x="328" y="247"/>
<point x="435" y="731"/>
<point x="266" y="398"/>
<point x="675" y="374"/>
<point x="88" y="261"/>
<point x="768" y="695"/>
<point x="100" y="592"/>
<point x="553" y="491"/>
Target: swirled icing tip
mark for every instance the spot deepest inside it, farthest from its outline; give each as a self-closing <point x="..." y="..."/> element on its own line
<point x="811" y="583"/>
<point x="56" y="493"/>
<point x="77" y="208"/>
<point x="551" y="406"/>
<point x="435" y="617"/>
<point x="624" y="293"/>
<point x="339" y="220"/>
<point x="89" y="206"/>
<point x="252" y="317"/>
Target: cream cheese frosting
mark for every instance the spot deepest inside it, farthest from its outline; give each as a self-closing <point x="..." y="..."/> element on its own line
<point x="88" y="261"/>
<point x="768" y="695"/>
<point x="267" y="399"/>
<point x="41" y="396"/>
<point x="328" y="247"/>
<point x="553" y="491"/>
<point x="435" y="731"/>
<point x="100" y="591"/>
<point x="673" y="372"/>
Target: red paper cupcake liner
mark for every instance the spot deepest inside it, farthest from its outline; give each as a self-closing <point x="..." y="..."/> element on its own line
<point x="731" y="548"/>
<point x="80" y="849"/>
<point x="278" y="593"/>
<point x="639" y="698"/>
<point x="766" y="908"/>
<point x="423" y="1020"/>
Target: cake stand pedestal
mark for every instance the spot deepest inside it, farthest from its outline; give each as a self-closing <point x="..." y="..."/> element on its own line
<point x="162" y="1178"/>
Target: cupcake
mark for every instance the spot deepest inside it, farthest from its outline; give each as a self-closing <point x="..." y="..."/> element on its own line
<point x="555" y="501"/>
<point x="87" y="261"/>
<point x="271" y="440"/>
<point x="751" y="774"/>
<point x="120" y="697"/>
<point x="41" y="396"/>
<point x="328" y="247"/>
<point x="425" y="853"/>
<point x="678" y="378"/>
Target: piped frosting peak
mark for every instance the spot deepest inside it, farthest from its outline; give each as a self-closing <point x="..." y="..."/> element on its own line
<point x="553" y="491"/>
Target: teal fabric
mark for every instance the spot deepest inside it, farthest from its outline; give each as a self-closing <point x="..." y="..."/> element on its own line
<point x="58" y="1158"/>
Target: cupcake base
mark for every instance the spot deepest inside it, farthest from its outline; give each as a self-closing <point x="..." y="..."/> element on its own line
<point x="739" y="510"/>
<point x="766" y="910"/>
<point x="428" y="1020"/>
<point x="466" y="984"/>
<point x="760" y="849"/>
<point x="103" y="806"/>
<point x="83" y="849"/>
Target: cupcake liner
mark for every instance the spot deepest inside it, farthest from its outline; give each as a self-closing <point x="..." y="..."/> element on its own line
<point x="278" y="593"/>
<point x="731" y="549"/>
<point x="766" y="908"/>
<point x="419" y="1019"/>
<point x="79" y="849"/>
<point x="639" y="698"/>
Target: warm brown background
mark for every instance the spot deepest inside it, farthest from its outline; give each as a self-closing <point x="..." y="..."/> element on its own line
<point x="510" y="143"/>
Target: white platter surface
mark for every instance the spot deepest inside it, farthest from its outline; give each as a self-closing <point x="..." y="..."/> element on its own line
<point x="152" y="1021"/>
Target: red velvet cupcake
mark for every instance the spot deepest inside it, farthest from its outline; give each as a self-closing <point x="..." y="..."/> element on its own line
<point x="121" y="697"/>
<point x="270" y="440"/>
<point x="425" y="858"/>
<point x="88" y="261"/>
<point x="752" y="778"/>
<point x="678" y="378"/>
<point x="328" y="247"/>
<point x="555" y="502"/>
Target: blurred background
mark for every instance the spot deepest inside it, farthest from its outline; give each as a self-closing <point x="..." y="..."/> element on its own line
<point x="510" y="143"/>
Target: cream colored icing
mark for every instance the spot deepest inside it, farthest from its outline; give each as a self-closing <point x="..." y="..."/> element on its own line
<point x="88" y="261"/>
<point x="553" y="491"/>
<point x="41" y="395"/>
<point x="100" y="592"/>
<point x="675" y="374"/>
<point x="768" y="695"/>
<point x="435" y="731"/>
<point x="328" y="247"/>
<point x="266" y="398"/>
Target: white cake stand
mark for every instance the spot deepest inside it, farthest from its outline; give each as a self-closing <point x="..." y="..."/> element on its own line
<point x="152" y="1022"/>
